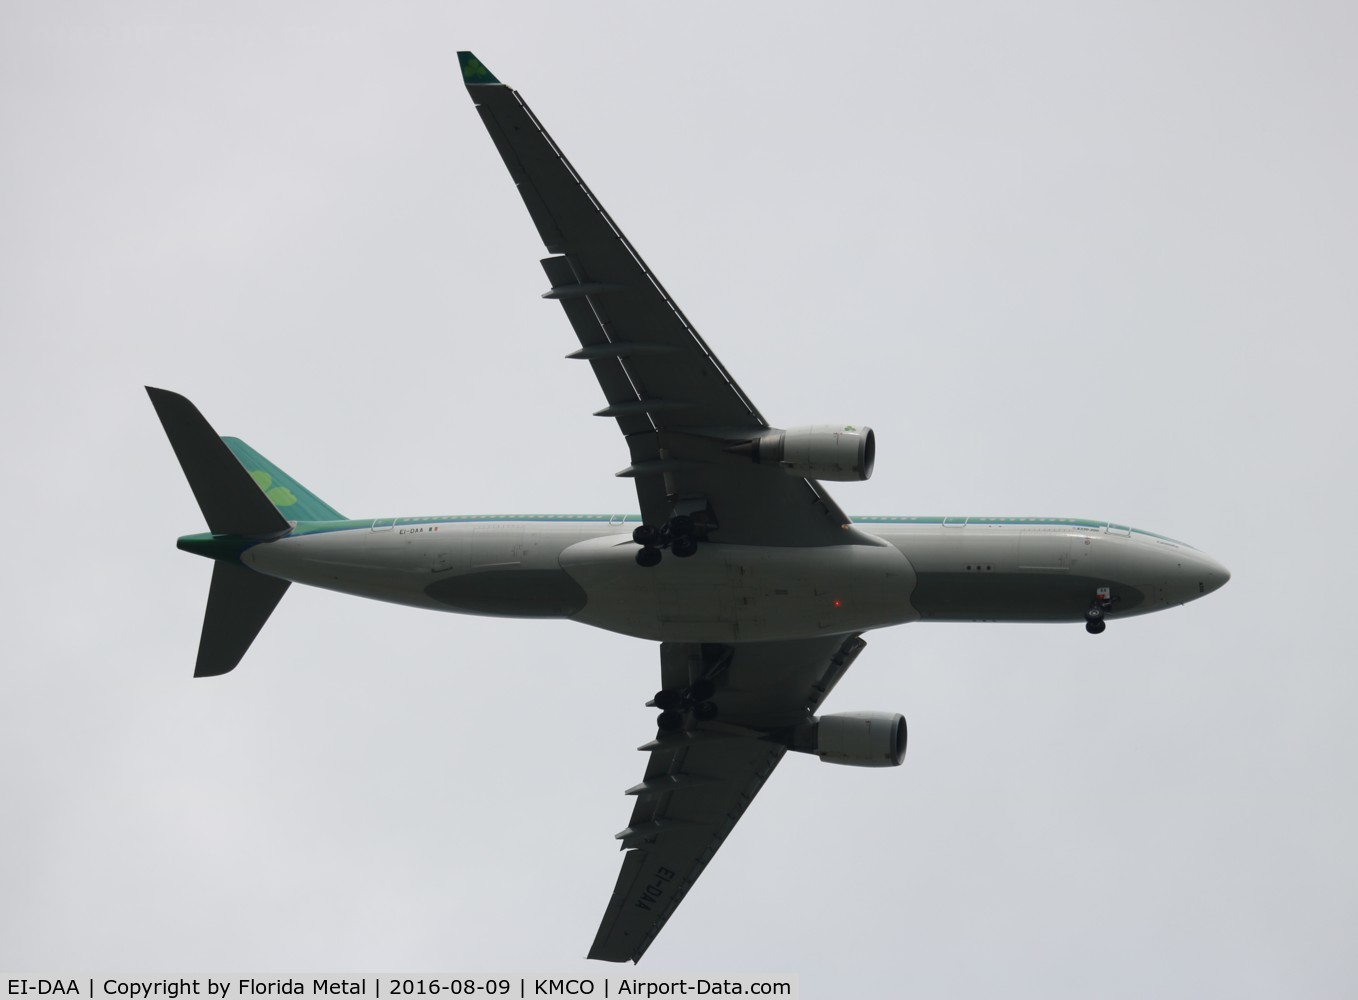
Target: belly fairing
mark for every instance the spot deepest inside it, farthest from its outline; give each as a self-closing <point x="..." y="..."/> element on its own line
<point x="735" y="593"/>
<point x="511" y="593"/>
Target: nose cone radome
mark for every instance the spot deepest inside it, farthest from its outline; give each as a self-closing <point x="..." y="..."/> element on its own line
<point x="1210" y="574"/>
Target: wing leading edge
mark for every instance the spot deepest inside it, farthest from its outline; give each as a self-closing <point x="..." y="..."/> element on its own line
<point x="676" y="405"/>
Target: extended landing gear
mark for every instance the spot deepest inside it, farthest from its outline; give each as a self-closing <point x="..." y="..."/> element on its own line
<point x="677" y="536"/>
<point x="684" y="547"/>
<point x="675" y="702"/>
<point x="1094" y="616"/>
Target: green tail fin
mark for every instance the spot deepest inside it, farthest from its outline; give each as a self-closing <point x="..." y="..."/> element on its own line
<point x="293" y="500"/>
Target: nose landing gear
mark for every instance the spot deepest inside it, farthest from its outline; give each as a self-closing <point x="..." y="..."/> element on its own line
<point x="1102" y="603"/>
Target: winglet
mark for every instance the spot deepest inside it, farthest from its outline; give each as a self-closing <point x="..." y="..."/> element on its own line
<point x="474" y="71"/>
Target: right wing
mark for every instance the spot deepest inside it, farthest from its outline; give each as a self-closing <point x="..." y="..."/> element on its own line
<point x="674" y="402"/>
<point x="680" y="412"/>
<point x="699" y="783"/>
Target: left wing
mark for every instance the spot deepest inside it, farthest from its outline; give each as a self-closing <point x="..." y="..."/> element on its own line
<point x="677" y="406"/>
<point x="699" y="783"/>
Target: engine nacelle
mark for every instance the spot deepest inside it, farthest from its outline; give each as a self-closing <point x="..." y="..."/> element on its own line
<point x="839" y="453"/>
<point x="860" y="739"/>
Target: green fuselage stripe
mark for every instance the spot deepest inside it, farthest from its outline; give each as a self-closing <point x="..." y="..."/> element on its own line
<point x="624" y="520"/>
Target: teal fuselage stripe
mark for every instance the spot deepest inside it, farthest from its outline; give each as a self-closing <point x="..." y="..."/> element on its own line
<point x="623" y="520"/>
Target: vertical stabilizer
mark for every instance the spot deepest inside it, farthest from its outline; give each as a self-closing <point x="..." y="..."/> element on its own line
<point x="293" y="500"/>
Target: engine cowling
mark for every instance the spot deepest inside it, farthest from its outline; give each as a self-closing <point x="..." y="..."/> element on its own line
<point x="841" y="453"/>
<point x="860" y="739"/>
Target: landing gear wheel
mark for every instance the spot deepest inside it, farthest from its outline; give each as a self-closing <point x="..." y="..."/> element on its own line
<point x="648" y="556"/>
<point x="668" y="701"/>
<point x="1094" y="614"/>
<point x="644" y="534"/>
<point x="1095" y="625"/>
<point x="683" y="546"/>
<point x="668" y="722"/>
<point x="701" y="690"/>
<point x="705" y="710"/>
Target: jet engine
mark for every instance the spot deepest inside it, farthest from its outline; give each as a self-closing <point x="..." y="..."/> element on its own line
<point x="839" y="453"/>
<point x="859" y="739"/>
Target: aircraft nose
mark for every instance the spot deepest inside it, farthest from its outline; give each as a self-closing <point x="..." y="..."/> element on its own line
<point x="1211" y="575"/>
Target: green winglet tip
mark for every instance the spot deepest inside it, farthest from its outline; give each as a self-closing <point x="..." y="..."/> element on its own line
<point x="473" y="70"/>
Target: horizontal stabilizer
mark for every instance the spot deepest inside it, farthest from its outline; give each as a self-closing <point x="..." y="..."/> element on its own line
<point x="238" y="605"/>
<point x="231" y="500"/>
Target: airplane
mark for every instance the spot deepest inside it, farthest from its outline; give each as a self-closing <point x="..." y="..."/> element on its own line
<point x="756" y="584"/>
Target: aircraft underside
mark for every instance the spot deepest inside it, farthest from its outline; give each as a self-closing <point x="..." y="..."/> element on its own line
<point x="735" y="593"/>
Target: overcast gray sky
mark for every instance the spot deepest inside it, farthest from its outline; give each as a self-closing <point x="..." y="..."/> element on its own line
<point x="1083" y="259"/>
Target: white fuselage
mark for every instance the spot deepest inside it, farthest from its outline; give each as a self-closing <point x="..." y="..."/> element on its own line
<point x="895" y="570"/>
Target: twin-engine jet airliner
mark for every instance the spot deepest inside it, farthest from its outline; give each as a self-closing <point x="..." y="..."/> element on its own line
<point x="756" y="584"/>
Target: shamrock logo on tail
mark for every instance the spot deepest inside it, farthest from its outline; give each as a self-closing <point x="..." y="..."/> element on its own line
<point x="279" y="496"/>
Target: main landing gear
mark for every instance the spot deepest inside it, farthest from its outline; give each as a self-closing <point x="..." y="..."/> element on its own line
<point x="675" y="702"/>
<point x="677" y="536"/>
<point x="1102" y="604"/>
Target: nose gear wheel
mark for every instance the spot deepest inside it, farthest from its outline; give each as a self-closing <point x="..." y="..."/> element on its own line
<point x="1098" y="609"/>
